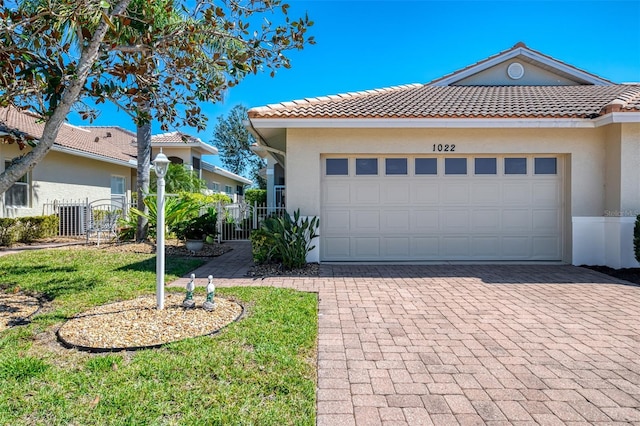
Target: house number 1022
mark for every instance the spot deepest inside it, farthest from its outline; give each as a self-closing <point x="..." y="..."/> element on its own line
<point x="444" y="148"/>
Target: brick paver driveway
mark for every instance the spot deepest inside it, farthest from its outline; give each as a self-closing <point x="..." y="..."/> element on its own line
<point x="470" y="344"/>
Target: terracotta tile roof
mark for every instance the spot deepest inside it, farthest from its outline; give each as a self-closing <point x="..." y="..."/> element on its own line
<point x="427" y="101"/>
<point x="174" y="137"/>
<point x="110" y="142"/>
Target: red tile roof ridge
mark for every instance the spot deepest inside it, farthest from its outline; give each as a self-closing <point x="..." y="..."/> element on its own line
<point x="117" y="128"/>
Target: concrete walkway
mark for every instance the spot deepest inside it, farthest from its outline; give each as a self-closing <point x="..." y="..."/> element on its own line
<point x="467" y="344"/>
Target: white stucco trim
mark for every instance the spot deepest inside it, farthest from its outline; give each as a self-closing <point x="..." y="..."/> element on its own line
<point x="226" y="173"/>
<point x="617" y="117"/>
<point x="204" y="146"/>
<point x="417" y="123"/>
<point x="604" y="241"/>
<point x="131" y="163"/>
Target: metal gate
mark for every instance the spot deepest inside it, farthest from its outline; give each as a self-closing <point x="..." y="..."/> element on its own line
<point x="236" y="221"/>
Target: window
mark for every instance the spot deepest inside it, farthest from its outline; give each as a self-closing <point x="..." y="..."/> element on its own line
<point x="515" y="166"/>
<point x="366" y="166"/>
<point x="118" y="185"/>
<point x="396" y="166"/>
<point x="426" y="166"/>
<point x="545" y="166"/>
<point x="196" y="163"/>
<point x="228" y="189"/>
<point x="239" y="190"/>
<point x="455" y="166"/>
<point x="337" y="166"/>
<point x="18" y="194"/>
<point x="215" y="186"/>
<point x="485" y="166"/>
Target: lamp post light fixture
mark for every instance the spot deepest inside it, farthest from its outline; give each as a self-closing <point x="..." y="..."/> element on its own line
<point x="160" y="165"/>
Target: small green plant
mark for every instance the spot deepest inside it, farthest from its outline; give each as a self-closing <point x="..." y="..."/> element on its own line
<point x="197" y="228"/>
<point x="636" y="238"/>
<point x="292" y="238"/>
<point x="261" y="244"/>
<point x="37" y="227"/>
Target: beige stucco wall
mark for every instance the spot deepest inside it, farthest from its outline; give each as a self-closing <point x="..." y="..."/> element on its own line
<point x="630" y="166"/>
<point x="184" y="154"/>
<point x="62" y="176"/>
<point x="584" y="146"/>
<point x="210" y="177"/>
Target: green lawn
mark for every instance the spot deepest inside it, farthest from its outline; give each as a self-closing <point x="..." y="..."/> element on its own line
<point x="260" y="370"/>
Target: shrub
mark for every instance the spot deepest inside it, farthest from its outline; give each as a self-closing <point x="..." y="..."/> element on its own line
<point x="636" y="238"/>
<point x="258" y="196"/>
<point x="37" y="227"/>
<point x="261" y="244"/>
<point x="8" y="231"/>
<point x="292" y="238"/>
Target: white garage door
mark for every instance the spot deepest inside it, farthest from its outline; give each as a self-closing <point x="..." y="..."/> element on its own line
<point x="399" y="208"/>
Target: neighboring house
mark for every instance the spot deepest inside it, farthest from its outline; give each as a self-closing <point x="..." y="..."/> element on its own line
<point x="91" y="163"/>
<point x="224" y="182"/>
<point x="519" y="157"/>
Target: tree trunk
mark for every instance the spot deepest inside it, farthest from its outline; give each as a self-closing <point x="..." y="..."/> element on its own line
<point x="69" y="97"/>
<point x="143" y="137"/>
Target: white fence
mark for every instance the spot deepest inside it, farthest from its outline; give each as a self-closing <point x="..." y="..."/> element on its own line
<point x="76" y="216"/>
<point x="235" y="221"/>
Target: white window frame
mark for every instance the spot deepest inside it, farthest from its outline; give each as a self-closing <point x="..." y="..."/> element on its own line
<point x="228" y="189"/>
<point x="19" y="183"/>
<point x="215" y="187"/>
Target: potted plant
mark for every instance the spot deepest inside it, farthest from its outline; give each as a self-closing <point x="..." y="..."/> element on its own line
<point x="195" y="230"/>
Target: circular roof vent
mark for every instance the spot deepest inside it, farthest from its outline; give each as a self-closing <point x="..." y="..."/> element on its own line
<point x="515" y="71"/>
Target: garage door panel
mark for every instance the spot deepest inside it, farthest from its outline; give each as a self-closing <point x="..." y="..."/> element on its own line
<point x="485" y="220"/>
<point x="546" y="194"/>
<point x="546" y="248"/>
<point x="516" y="193"/>
<point x="365" y="221"/>
<point x="518" y="247"/>
<point x="455" y="247"/>
<point x="365" y="247"/>
<point x="455" y="193"/>
<point x="426" y="247"/>
<point x="396" y="193"/>
<point x="454" y="221"/>
<point x="337" y="221"/>
<point x="336" y="248"/>
<point x="485" y="193"/>
<point x="365" y="193"/>
<point x="516" y="220"/>
<point x="485" y="248"/>
<point x="546" y="220"/>
<point x="336" y="194"/>
<point x="425" y="221"/>
<point x="425" y="193"/>
<point x="396" y="247"/>
<point x="395" y="221"/>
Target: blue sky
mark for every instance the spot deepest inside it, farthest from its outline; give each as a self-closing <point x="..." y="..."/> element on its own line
<point x="367" y="44"/>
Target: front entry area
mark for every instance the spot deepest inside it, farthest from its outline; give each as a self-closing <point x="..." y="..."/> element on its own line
<point x="442" y="207"/>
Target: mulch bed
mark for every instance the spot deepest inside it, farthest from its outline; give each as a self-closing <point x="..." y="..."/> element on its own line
<point x="628" y="274"/>
<point x="138" y="324"/>
<point x="16" y="309"/>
